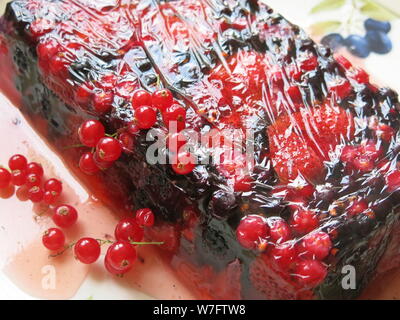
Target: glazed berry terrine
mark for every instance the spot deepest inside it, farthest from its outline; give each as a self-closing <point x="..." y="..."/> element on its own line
<point x="318" y="195"/>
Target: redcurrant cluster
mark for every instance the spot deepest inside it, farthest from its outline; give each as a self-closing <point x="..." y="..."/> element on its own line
<point x="121" y="254"/>
<point x="29" y="176"/>
<point x="275" y="238"/>
<point x="106" y="148"/>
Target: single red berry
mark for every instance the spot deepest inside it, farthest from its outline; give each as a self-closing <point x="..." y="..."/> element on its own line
<point x="47" y="49"/>
<point x="109" y="268"/>
<point x="87" y="250"/>
<point x="102" y="101"/>
<point x="18" y="177"/>
<point x="121" y="256"/>
<point x="17" y="162"/>
<point x="33" y="180"/>
<point x="162" y="99"/>
<point x="35" y="168"/>
<point x="184" y="163"/>
<point x="174" y="116"/>
<point x="101" y="164"/>
<point x="50" y="197"/>
<point x="145" y="217"/>
<point x="304" y="221"/>
<point x="65" y="216"/>
<point x="393" y="181"/>
<point x="141" y="98"/>
<point x="310" y="272"/>
<point x="35" y="194"/>
<point x="5" y="178"/>
<point x="316" y="245"/>
<point x="53" y="185"/>
<point x="87" y="164"/>
<point x="146" y="117"/>
<point x="252" y="231"/>
<point x="128" y="230"/>
<point x="357" y="207"/>
<point x="279" y="230"/>
<point x="108" y="149"/>
<point x="90" y="132"/>
<point x="127" y="141"/>
<point x="284" y="254"/>
<point x="53" y="239"/>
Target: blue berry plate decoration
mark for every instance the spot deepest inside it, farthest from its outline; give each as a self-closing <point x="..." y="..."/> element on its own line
<point x="365" y="26"/>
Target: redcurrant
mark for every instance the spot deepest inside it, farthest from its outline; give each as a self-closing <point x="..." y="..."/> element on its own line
<point x="87" y="164"/>
<point x="146" y="117"/>
<point x="128" y="230"/>
<point x="65" y="216"/>
<point x="145" y="217"/>
<point x="17" y="162"/>
<point x="87" y="250"/>
<point x="53" y="239"/>
<point x="90" y="132"/>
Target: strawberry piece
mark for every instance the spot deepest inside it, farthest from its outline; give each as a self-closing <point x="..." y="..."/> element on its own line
<point x="292" y="156"/>
<point x="300" y="143"/>
<point x="325" y="127"/>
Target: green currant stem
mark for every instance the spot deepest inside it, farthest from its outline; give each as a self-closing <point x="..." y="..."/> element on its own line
<point x="102" y="242"/>
<point x="61" y="252"/>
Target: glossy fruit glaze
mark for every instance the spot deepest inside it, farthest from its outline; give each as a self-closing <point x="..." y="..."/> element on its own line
<point x="322" y="192"/>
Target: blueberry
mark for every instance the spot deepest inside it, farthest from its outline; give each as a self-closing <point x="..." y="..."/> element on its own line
<point x="379" y="42"/>
<point x="376" y="25"/>
<point x="333" y="41"/>
<point x="358" y="46"/>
